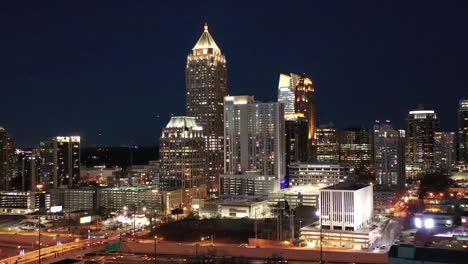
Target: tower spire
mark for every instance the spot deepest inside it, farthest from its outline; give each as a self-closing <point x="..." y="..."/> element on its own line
<point x="205" y="27"/>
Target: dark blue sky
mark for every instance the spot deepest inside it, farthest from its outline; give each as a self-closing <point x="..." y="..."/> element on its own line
<point x="111" y="67"/>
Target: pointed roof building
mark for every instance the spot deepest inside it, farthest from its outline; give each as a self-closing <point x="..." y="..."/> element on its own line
<point x="206" y="41"/>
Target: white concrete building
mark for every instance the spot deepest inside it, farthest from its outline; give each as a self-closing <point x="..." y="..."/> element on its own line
<point x="346" y="206"/>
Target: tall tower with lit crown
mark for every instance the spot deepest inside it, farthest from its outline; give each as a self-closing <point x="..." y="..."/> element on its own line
<point x="206" y="86"/>
<point x="305" y="104"/>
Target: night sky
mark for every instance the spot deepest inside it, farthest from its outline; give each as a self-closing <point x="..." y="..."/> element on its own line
<point x="114" y="71"/>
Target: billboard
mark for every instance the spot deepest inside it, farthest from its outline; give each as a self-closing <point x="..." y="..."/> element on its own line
<point x="85" y="219"/>
<point x="56" y="209"/>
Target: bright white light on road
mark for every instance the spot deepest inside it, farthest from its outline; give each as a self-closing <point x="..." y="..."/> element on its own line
<point x="418" y="222"/>
<point x="428" y="223"/>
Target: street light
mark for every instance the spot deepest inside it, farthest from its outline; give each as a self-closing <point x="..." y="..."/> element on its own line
<point x="317" y="213"/>
<point x="155" y="242"/>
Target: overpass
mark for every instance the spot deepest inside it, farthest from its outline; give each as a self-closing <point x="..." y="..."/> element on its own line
<point x="56" y="253"/>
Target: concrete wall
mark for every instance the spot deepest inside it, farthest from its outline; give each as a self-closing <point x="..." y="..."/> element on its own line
<point x="171" y="248"/>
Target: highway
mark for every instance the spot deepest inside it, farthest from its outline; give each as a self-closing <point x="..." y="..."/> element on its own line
<point x="54" y="253"/>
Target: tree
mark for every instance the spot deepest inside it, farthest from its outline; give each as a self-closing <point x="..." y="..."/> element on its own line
<point x="364" y="174"/>
<point x="437" y="182"/>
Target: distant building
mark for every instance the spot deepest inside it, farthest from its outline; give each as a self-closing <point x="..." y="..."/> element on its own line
<point x="84" y="198"/>
<point x="248" y="185"/>
<point x="182" y="198"/>
<point x="287" y="92"/>
<point x="445" y="154"/>
<point x="305" y="104"/>
<point x="306" y="195"/>
<point x="19" y="203"/>
<point x="346" y="206"/>
<point x="296" y="140"/>
<point x="355" y="147"/>
<point x="253" y="137"/>
<point x="421" y="126"/>
<point x="112" y="199"/>
<point x="99" y="174"/>
<point x="385" y="199"/>
<point x="388" y="156"/>
<point x="327" y="144"/>
<point x="182" y="145"/>
<point x="206" y="87"/>
<point x="240" y="207"/>
<point x="463" y="131"/>
<point x="61" y="160"/>
<point x="30" y="173"/>
<point x="313" y="173"/>
<point x="6" y="159"/>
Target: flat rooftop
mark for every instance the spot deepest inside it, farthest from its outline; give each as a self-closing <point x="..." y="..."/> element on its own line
<point x="346" y="186"/>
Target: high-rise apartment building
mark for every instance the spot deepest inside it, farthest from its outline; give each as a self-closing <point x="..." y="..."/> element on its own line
<point x="463" y="131"/>
<point x="421" y="126"/>
<point x="355" y="147"/>
<point x="60" y="158"/>
<point x="287" y="93"/>
<point x="181" y="149"/>
<point x="6" y="159"/>
<point x="253" y="137"/>
<point x="296" y="138"/>
<point x="305" y="104"/>
<point x="30" y="173"/>
<point x="388" y="156"/>
<point x="445" y="155"/>
<point x="206" y="86"/>
<point x="327" y="144"/>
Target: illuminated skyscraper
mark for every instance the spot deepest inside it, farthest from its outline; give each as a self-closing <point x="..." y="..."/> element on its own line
<point x="444" y="150"/>
<point x="327" y="144"/>
<point x="61" y="161"/>
<point x="296" y="138"/>
<point x="305" y="104"/>
<point x="421" y="126"/>
<point x="68" y="160"/>
<point x="388" y="156"/>
<point x="206" y="86"/>
<point x="6" y="159"/>
<point x="287" y="93"/>
<point x="181" y="147"/>
<point x="463" y="131"/>
<point x="30" y="172"/>
<point x="253" y="137"/>
<point x="355" y="147"/>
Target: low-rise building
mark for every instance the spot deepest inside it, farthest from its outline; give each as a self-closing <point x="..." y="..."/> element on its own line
<point x="384" y="200"/>
<point x="75" y="199"/>
<point x="18" y="203"/>
<point x="314" y="173"/>
<point x="182" y="198"/>
<point x="235" y="207"/>
<point x="112" y="199"/>
<point x="307" y="195"/>
<point x="248" y="184"/>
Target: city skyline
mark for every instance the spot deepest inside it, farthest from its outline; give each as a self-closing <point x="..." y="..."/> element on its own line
<point x="121" y="74"/>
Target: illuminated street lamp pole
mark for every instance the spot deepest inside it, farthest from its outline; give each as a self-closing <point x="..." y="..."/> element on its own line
<point x="155" y="242"/>
<point x="39" y="226"/>
<point x="321" y="237"/>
